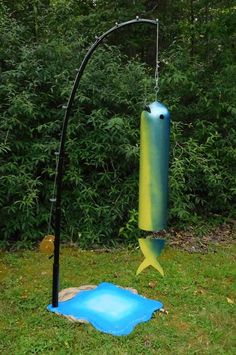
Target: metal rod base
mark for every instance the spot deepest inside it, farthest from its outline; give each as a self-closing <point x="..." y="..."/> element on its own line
<point x="55" y="285"/>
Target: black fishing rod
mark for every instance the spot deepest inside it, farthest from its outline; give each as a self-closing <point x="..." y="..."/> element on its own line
<point x="61" y="153"/>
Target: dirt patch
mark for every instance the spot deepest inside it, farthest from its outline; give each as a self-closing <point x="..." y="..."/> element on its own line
<point x="189" y="241"/>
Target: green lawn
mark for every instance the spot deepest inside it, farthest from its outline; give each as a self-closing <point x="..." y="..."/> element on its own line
<point x="194" y="291"/>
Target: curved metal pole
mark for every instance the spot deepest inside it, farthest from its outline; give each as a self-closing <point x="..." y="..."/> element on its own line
<point x="59" y="172"/>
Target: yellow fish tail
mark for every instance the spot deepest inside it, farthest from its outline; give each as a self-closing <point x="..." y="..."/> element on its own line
<point x="147" y="263"/>
<point x="151" y="248"/>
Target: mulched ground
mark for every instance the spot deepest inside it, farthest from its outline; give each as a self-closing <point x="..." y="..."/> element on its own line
<point x="187" y="240"/>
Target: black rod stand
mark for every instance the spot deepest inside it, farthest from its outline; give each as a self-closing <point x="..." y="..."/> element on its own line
<point x="59" y="172"/>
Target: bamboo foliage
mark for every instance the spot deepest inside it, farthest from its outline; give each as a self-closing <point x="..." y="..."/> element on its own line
<point x="43" y="44"/>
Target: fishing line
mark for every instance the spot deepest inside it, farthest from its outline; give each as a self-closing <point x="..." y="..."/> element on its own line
<point x="156" y="77"/>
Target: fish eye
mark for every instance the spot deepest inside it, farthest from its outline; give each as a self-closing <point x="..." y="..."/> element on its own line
<point x="161" y="117"/>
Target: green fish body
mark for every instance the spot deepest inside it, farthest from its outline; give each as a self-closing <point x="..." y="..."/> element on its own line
<point x="154" y="163"/>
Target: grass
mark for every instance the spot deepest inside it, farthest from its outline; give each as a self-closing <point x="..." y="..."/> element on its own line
<point x="194" y="291"/>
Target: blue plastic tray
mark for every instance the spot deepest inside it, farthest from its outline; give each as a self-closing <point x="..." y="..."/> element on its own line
<point x="109" y="308"/>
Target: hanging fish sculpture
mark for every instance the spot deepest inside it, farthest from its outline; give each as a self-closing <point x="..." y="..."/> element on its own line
<point x="154" y="162"/>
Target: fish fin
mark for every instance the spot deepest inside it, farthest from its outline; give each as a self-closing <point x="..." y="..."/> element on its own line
<point x="143" y="266"/>
<point x="157" y="266"/>
<point x="151" y="248"/>
<point x="148" y="262"/>
<point x="157" y="245"/>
